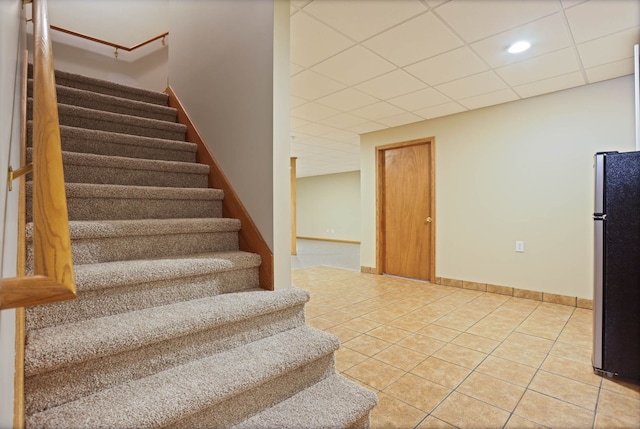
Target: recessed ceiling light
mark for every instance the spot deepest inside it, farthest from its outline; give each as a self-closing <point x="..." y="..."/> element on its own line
<point x="518" y="47"/>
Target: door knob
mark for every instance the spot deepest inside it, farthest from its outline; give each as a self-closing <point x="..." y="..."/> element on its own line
<point x="428" y="220"/>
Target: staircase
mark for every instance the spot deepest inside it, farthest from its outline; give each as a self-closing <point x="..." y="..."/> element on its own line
<point x="169" y="328"/>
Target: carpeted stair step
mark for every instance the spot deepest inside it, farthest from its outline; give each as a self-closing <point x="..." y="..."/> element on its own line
<point x="118" y="287"/>
<point x="69" y="345"/>
<point x="109" y="103"/>
<point x="333" y="402"/>
<point x="228" y="385"/>
<point x="178" y="341"/>
<point x="116" y="170"/>
<point x="86" y="201"/>
<point x="109" y="88"/>
<point x="124" y="145"/>
<point x="120" y="240"/>
<point x="81" y="117"/>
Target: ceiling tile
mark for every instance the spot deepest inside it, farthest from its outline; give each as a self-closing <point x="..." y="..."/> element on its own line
<point x="570" y="3"/>
<point x="353" y="66"/>
<point x="553" y="84"/>
<point x="594" y="19"/>
<point x="343" y="120"/>
<point x="545" y="35"/>
<point x="376" y="111"/>
<point x="542" y="67"/>
<point x="294" y="69"/>
<point x="313" y="112"/>
<point x="296" y="101"/>
<point x="607" y="49"/>
<point x="471" y="86"/>
<point x="297" y="122"/>
<point x="446" y="67"/>
<point x="344" y="136"/>
<point x="402" y="119"/>
<point x="310" y="85"/>
<point x="361" y="19"/>
<point x="367" y="127"/>
<point x="474" y="20"/>
<point x="419" y="38"/>
<point x="314" y="129"/>
<point x="340" y="146"/>
<point x="325" y="144"/>
<point x="392" y="84"/>
<point x="312" y="41"/>
<point x="490" y="99"/>
<point x="434" y="3"/>
<point x="299" y="3"/>
<point x="299" y="138"/>
<point x="441" y="110"/>
<point x="419" y="99"/>
<point x="347" y="99"/>
<point x="311" y="147"/>
<point x="610" y="70"/>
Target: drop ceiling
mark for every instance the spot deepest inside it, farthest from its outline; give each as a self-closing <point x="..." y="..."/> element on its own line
<point x="359" y="66"/>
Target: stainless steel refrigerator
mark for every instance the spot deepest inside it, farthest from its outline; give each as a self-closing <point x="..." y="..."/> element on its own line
<point x="616" y="303"/>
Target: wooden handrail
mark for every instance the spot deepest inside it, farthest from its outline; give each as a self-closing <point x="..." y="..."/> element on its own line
<point x="113" y="45"/>
<point x="53" y="278"/>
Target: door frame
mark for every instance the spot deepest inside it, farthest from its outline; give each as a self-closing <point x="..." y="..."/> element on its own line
<point x="380" y="195"/>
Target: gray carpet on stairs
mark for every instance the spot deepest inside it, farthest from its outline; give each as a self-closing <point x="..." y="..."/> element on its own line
<point x="169" y="328"/>
<point x="83" y="140"/>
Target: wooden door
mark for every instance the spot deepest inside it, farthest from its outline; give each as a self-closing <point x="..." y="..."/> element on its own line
<point x="406" y="226"/>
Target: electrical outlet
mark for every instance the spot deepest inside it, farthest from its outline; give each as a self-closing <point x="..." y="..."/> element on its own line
<point x="519" y="246"/>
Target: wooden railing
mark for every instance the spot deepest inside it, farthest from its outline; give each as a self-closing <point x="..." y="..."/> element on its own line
<point x="113" y="45"/>
<point x="53" y="278"/>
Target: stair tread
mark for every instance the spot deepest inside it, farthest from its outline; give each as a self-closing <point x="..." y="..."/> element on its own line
<point x="93" y="190"/>
<point x="62" y="76"/>
<point x="173" y="394"/>
<point x="91" y="276"/>
<point x="79" y="229"/>
<point x="108" y="161"/>
<point x="108" y="136"/>
<point x="117" y="118"/>
<point x="334" y="402"/>
<point x="83" y="97"/>
<point x="85" y="140"/>
<point x="56" y="347"/>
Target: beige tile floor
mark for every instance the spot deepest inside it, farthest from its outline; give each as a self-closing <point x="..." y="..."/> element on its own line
<point x="443" y="357"/>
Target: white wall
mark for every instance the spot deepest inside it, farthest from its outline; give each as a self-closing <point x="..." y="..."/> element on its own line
<point x="12" y="44"/>
<point x="328" y="206"/>
<point x="221" y="65"/>
<point x="118" y="21"/>
<point x="516" y="171"/>
<point x="124" y="22"/>
<point x="148" y="72"/>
